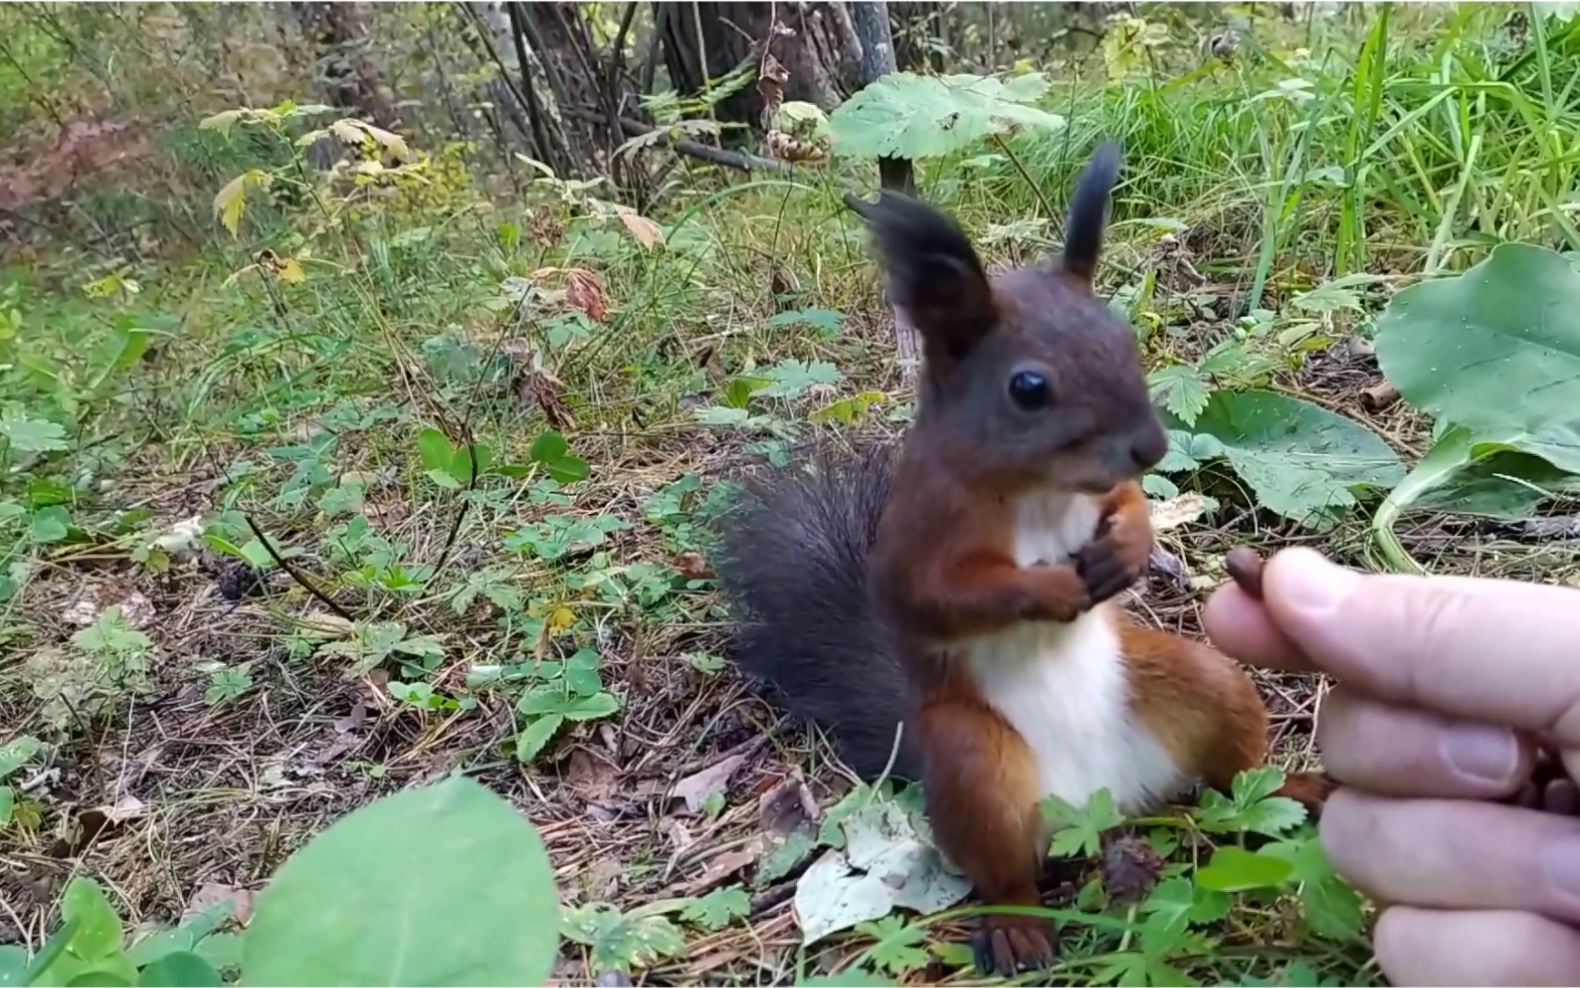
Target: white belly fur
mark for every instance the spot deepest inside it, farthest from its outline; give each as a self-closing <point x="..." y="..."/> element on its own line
<point x="1063" y="686"/>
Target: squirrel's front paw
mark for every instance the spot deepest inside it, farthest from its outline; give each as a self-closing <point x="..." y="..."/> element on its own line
<point x="1058" y="593"/>
<point x="1112" y="562"/>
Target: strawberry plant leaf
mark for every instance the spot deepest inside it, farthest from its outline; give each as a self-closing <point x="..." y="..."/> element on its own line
<point x="532" y="739"/>
<point x="718" y="908"/>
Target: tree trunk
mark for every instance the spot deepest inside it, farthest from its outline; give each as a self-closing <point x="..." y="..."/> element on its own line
<point x="877" y="60"/>
<point x="350" y="77"/>
<point x="702" y="43"/>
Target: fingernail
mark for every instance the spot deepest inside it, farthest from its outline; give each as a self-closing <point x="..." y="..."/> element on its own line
<point x="1484" y="753"/>
<point x="1561" y="866"/>
<point x="1308" y="582"/>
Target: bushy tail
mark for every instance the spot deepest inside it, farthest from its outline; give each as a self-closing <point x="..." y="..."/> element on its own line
<point x="792" y="564"/>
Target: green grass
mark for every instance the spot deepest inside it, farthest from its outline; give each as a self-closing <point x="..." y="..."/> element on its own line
<point x="549" y="624"/>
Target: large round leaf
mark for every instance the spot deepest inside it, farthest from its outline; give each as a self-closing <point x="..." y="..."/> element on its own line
<point x="445" y="885"/>
<point x="1496" y="350"/>
<point x="1301" y="459"/>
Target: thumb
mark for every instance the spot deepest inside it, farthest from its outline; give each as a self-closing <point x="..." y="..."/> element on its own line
<point x="1491" y="650"/>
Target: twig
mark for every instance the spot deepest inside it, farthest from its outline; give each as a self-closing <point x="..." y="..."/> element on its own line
<point x="718" y="156"/>
<point x="295" y="574"/>
<point x="1047" y="207"/>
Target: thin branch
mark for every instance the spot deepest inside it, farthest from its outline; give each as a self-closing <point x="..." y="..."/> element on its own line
<point x="718" y="156"/>
<point x="1047" y="207"/>
<point x="294" y="573"/>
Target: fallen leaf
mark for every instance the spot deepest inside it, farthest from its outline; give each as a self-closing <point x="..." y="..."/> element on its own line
<point x="181" y="538"/>
<point x="593" y="778"/>
<point x="884" y="865"/>
<point x="721" y="868"/>
<point x="1177" y="511"/>
<point x="646" y="232"/>
<point x="692" y="566"/>
<point x="128" y="807"/>
<point x="211" y="895"/>
<point x="583" y="292"/>
<point x="787" y="807"/>
<point x="695" y="789"/>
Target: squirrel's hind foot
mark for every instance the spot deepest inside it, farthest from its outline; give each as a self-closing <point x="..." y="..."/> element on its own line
<point x="1010" y="944"/>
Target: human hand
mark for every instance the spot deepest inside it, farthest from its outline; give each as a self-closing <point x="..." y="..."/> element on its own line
<point x="1444" y="685"/>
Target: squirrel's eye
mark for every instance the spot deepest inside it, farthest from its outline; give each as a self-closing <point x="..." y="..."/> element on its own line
<point x="1029" y="390"/>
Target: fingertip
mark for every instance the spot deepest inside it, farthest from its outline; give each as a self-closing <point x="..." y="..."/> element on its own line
<point x="1241" y="628"/>
<point x="1417" y="946"/>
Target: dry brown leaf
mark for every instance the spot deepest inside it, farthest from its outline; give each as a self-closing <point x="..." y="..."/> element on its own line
<point x="209" y="896"/>
<point x="771" y="79"/>
<point x="722" y="868"/>
<point x="583" y="292"/>
<point x="593" y="778"/>
<point x="787" y="807"/>
<point x="692" y="566"/>
<point x="695" y="789"/>
<point x="1177" y="511"/>
<point x="646" y="232"/>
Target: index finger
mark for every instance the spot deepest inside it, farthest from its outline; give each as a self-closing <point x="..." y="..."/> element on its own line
<point x="1492" y="650"/>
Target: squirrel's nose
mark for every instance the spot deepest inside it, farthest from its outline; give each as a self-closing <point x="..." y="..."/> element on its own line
<point x="1149" y="448"/>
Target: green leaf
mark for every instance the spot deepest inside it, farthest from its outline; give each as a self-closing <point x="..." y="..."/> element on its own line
<point x="104" y="975"/>
<point x="7" y="805"/>
<point x="567" y="469"/>
<point x="180" y="970"/>
<point x="899" y="944"/>
<point x="905" y="115"/>
<point x="222" y="950"/>
<point x="1181" y="390"/>
<point x="17" y="752"/>
<point x="532" y="738"/>
<point x="443" y="885"/>
<point x="49" y="524"/>
<point x="549" y="446"/>
<point x="434" y="449"/>
<point x="461" y="462"/>
<point x="718" y="908"/>
<point x="1234" y="869"/>
<point x="98" y="927"/>
<point x="1079" y="830"/>
<point x="622" y="941"/>
<point x="1302" y="460"/>
<point x="185" y="937"/>
<point x="825" y="321"/>
<point x="591" y="707"/>
<point x="52" y="958"/>
<point x="1273" y="816"/>
<point x="847" y="979"/>
<point x="13" y="965"/>
<point x="1331" y="905"/>
<point x="127" y="343"/>
<point x="1495" y="349"/>
<point x="27" y="435"/>
<point x="581" y="672"/>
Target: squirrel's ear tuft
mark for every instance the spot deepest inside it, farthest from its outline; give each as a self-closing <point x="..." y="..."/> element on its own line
<point x="1083" y="232"/>
<point x="934" y="273"/>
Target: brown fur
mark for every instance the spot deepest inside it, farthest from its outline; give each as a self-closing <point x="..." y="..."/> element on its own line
<point x="977" y="762"/>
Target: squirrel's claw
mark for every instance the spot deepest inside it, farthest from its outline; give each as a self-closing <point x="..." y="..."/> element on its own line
<point x="1008" y="945"/>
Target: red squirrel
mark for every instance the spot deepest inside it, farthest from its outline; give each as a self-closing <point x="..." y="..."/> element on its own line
<point x="962" y="585"/>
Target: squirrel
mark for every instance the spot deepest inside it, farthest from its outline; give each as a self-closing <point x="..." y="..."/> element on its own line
<point x="957" y="592"/>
